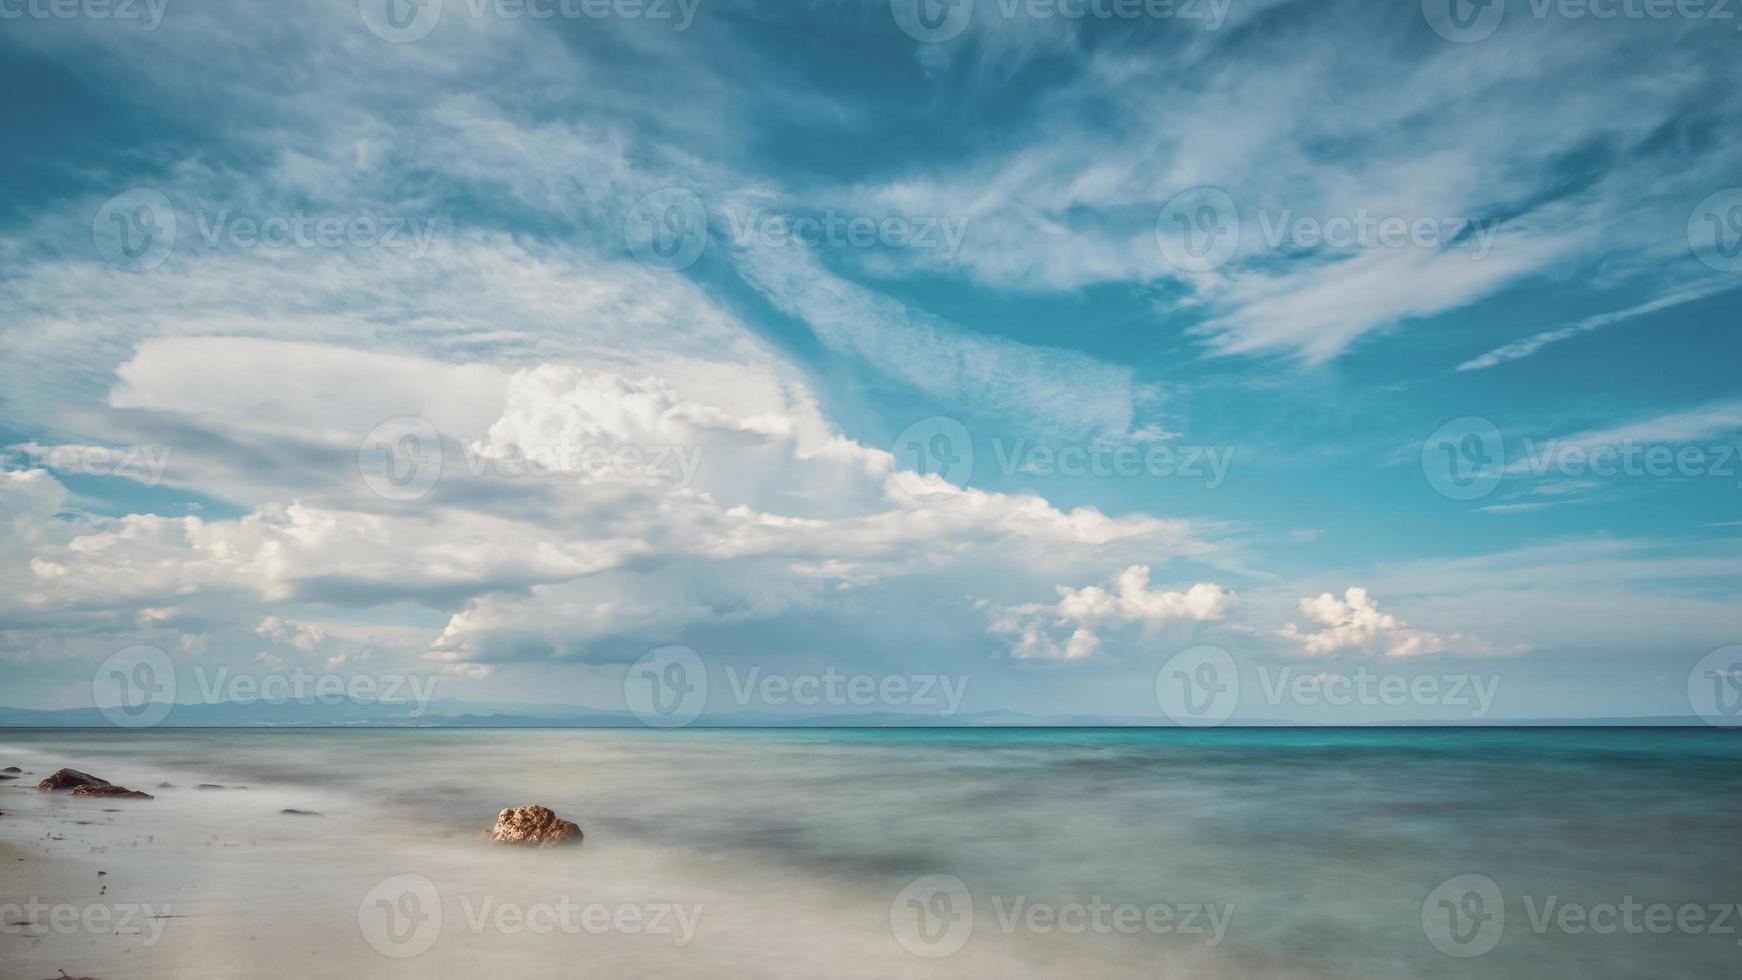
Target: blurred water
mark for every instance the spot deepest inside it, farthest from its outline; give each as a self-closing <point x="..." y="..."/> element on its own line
<point x="1324" y="845"/>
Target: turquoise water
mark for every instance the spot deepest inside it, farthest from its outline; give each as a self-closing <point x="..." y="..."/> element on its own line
<point x="1322" y="847"/>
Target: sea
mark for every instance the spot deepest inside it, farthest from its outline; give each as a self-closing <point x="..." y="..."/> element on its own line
<point x="998" y="852"/>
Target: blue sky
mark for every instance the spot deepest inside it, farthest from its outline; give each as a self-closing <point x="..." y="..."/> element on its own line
<point x="1027" y="347"/>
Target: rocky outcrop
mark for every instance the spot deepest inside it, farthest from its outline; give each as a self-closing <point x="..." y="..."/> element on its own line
<point x="66" y="779"/>
<point x="112" y="792"/>
<point x="12" y="769"/>
<point x="534" y="826"/>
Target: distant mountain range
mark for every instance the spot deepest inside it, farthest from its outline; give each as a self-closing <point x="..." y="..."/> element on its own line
<point x="350" y="713"/>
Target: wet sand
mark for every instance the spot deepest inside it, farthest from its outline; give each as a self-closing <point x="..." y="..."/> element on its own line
<point x="221" y="884"/>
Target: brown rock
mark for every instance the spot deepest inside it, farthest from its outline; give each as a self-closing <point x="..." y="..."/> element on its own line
<point x="533" y="826"/>
<point x="116" y="792"/>
<point x="13" y="769"/>
<point x="69" y="779"/>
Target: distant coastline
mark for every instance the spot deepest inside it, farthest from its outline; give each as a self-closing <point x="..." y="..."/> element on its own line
<point x="350" y="714"/>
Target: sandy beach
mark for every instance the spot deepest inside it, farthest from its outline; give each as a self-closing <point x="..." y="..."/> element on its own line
<point x="209" y="883"/>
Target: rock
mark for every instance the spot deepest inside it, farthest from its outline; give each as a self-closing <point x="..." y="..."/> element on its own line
<point x="12" y="769"/>
<point x="299" y="813"/>
<point x="4" y="776"/>
<point x="166" y="786"/>
<point x="115" y="792"/>
<point x="216" y="786"/>
<point x="69" y="779"/>
<point x="533" y="826"/>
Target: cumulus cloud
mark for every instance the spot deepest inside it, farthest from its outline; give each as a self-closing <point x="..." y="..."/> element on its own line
<point x="772" y="510"/>
<point x="1355" y="623"/>
<point x="1071" y="628"/>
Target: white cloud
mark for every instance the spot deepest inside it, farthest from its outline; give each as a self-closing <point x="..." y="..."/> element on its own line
<point x="1087" y="612"/>
<point x="1354" y="623"/>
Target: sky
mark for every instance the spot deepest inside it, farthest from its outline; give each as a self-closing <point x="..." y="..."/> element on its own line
<point x="1059" y="350"/>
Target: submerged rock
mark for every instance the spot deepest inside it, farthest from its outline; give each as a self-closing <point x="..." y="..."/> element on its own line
<point x="69" y="779"/>
<point x="299" y="813"/>
<point x="116" y="792"/>
<point x="534" y="826"/>
<point x="11" y="769"/>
